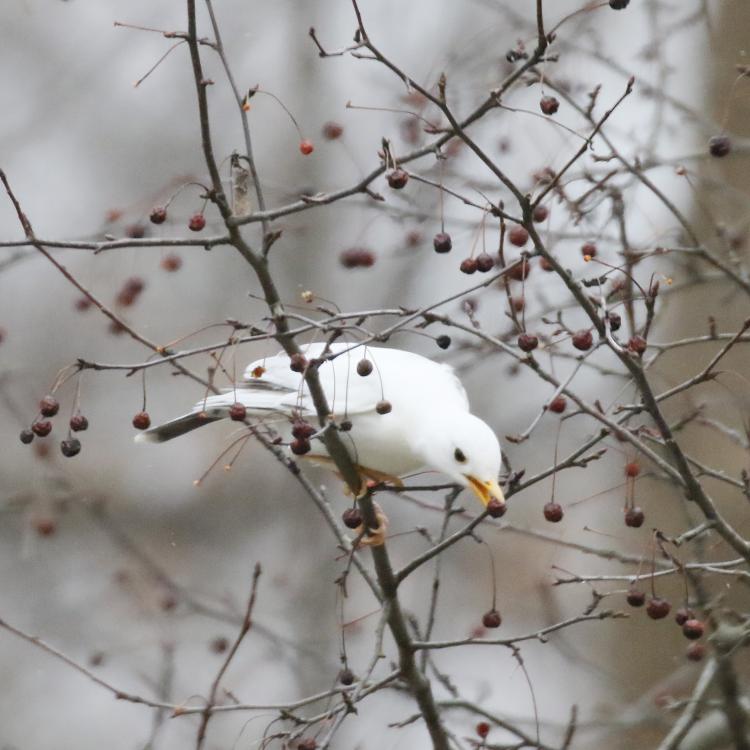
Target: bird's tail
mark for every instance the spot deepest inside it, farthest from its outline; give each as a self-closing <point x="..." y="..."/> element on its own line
<point x="179" y="426"/>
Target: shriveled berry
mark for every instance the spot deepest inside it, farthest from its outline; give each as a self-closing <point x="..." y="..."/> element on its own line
<point x="496" y="509"/>
<point x="540" y="214"/>
<point x="26" y="436"/>
<point x="302" y="430"/>
<point x="492" y="619"/>
<point x="719" y="145"/>
<point x="297" y="362"/>
<point x="158" y="215"/>
<point x="70" y="447"/>
<point x="197" y="222"/>
<point x="142" y="420"/>
<point x="658" y="608"/>
<point x="357" y="257"/>
<point x="397" y="178"/>
<point x="549" y="105"/>
<point x="483" y="729"/>
<point x="558" y="404"/>
<point x="442" y="242"/>
<point x="79" y="423"/>
<point x="693" y="629"/>
<point x="171" y="263"/>
<point x="306" y="147"/>
<point x="49" y="406"/>
<point x="300" y="446"/>
<point x="518" y="235"/>
<point x="238" y="412"/>
<point x="682" y="615"/>
<point x="443" y="341"/>
<point x="634" y="517"/>
<point x="696" y="652"/>
<point x="468" y="265"/>
<point x="332" y="131"/>
<point x="364" y="367"/>
<point x="618" y="4"/>
<point x="637" y="345"/>
<point x="588" y="249"/>
<point x="615" y="321"/>
<point x="553" y="512"/>
<point x="42" y="429"/>
<point x="635" y="598"/>
<point x="346" y="677"/>
<point x="485" y="263"/>
<point x="308" y="743"/>
<point x="352" y="518"/>
<point x="583" y="340"/>
<point x="383" y="407"/>
<point x="346" y="425"/>
<point x="527" y="342"/>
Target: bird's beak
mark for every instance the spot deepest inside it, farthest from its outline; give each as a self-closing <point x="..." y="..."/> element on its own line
<point x="486" y="491"/>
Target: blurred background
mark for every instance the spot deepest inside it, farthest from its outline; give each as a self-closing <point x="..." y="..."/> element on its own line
<point x="117" y="559"/>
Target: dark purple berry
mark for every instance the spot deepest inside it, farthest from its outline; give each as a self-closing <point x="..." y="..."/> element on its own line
<point x="549" y="105"/>
<point x="352" y="518"/>
<point x="518" y="236"/>
<point x="383" y="407"/>
<point x="496" y="509"/>
<point x="540" y="214"/>
<point x="158" y="215"/>
<point x="558" y="404"/>
<point x="618" y="4"/>
<point x="357" y="257"/>
<point x="300" y="446"/>
<point x="26" y="436"/>
<point x="658" y="608"/>
<point x="693" y="629"/>
<point x="297" y="362"/>
<point x="42" y="429"/>
<point x="637" y="345"/>
<point x="79" y="423"/>
<point x="485" y="263"/>
<point x="364" y="367"/>
<point x="696" y="652"/>
<point x="492" y="619"/>
<point x="615" y="321"/>
<point x="634" y="517"/>
<point x="442" y="242"/>
<point x="70" y="447"/>
<point x="527" y="342"/>
<point x="49" y="406"/>
<point x="237" y="412"/>
<point x="142" y="421"/>
<point x="588" y="249"/>
<point x="719" y="145"/>
<point x="553" y="512"/>
<point x="346" y="677"/>
<point x="443" y="341"/>
<point x="583" y="340"/>
<point x="682" y="615"/>
<point x="397" y="178"/>
<point x="635" y="598"/>
<point x="468" y="265"/>
<point x="302" y="430"/>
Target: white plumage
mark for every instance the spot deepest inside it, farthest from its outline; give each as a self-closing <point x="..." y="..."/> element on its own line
<point x="429" y="425"/>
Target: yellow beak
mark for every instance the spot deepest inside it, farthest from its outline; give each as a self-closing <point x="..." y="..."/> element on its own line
<point x="486" y="491"/>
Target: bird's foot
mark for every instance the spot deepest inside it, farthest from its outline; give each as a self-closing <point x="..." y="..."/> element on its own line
<point x="368" y="537"/>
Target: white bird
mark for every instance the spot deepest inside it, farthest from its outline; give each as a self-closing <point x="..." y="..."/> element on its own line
<point x="429" y="425"/>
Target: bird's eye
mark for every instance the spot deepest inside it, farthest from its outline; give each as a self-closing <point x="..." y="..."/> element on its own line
<point x="459" y="455"/>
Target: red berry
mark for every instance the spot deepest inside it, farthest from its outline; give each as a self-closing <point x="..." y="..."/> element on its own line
<point x="495" y="509"/>
<point x="527" y="342"/>
<point x="45" y="526"/>
<point x="492" y="619"/>
<point x="171" y="262"/>
<point x="364" y="367"/>
<point x="414" y="238"/>
<point x="142" y="421"/>
<point x="682" y="615"/>
<point x="130" y="292"/>
<point x="696" y="652"/>
<point x="158" y="215"/>
<point x="238" y="412"/>
<point x="634" y="517"/>
<point x="346" y="677"/>
<point x="546" y="265"/>
<point x="42" y="429"/>
<point x="520" y="270"/>
<point x="300" y="446"/>
<point x="540" y="214"/>
<point x="357" y="257"/>
<point x="518" y="236"/>
<point x="297" y="362"/>
<point x="79" y="423"/>
<point x="549" y="105"/>
<point x="302" y="430"/>
<point x="485" y="263"/>
<point x="719" y="145"/>
<point x="637" y="345"/>
<point x="307" y="744"/>
<point x="635" y="598"/>
<point x="70" y="447"/>
<point x="352" y="518"/>
<point x="468" y="265"/>
<point x="26" y="436"/>
<point x="49" y="406"/>
<point x="383" y="407"/>
<point x="558" y="404"/>
<point x="197" y="222"/>
<point x="135" y="231"/>
<point x="82" y="304"/>
<point x="588" y="248"/>
<point x="553" y="512"/>
<point x="583" y="340"/>
<point x="442" y="242"/>
<point x="658" y="608"/>
<point x="332" y="131"/>
<point x="397" y="178"/>
<point x="306" y="147"/>
<point x="693" y="629"/>
<point x="483" y="729"/>
<point x="632" y="469"/>
<point x="219" y="644"/>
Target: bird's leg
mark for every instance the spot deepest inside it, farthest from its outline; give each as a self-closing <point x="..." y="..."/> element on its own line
<point x="373" y="537"/>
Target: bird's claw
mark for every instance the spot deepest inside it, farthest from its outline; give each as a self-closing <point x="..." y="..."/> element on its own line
<point x="369" y="537"/>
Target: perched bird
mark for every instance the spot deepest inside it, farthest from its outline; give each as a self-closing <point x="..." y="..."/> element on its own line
<point x="406" y="413"/>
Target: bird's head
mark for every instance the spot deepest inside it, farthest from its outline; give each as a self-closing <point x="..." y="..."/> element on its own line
<point x="469" y="453"/>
